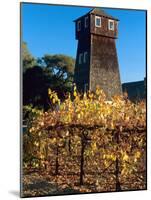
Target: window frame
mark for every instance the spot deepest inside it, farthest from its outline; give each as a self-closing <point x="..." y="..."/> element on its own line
<point x="111" y="21"/>
<point x="86" y="21"/>
<point x="80" y="58"/>
<point x="98" y="17"/>
<point x="86" y="87"/>
<point x="85" y="57"/>
<point x="79" y="25"/>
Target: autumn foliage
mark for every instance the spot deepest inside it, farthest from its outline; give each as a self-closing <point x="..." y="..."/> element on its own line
<point x="87" y="143"/>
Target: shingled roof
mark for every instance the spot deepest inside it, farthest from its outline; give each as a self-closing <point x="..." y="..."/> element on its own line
<point x="99" y="12"/>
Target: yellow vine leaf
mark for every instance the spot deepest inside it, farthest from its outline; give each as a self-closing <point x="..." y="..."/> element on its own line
<point x="125" y="157"/>
<point x="106" y="163"/>
<point x="137" y="154"/>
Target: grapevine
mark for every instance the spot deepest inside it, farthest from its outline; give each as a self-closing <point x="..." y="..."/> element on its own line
<point x="89" y="143"/>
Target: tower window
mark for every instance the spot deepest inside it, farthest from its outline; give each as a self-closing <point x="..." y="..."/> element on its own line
<point x="85" y="56"/>
<point x="80" y="58"/>
<point x="111" y="25"/>
<point x="79" y="25"/>
<point x="97" y="21"/>
<point x="86" y="22"/>
<point x="86" y="87"/>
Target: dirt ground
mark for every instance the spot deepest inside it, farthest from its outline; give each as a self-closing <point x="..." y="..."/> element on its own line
<point x="42" y="184"/>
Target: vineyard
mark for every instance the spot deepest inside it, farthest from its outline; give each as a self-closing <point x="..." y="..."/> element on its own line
<point x="85" y="144"/>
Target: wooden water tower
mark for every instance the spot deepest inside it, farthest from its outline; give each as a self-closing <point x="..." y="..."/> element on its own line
<point x="96" y="60"/>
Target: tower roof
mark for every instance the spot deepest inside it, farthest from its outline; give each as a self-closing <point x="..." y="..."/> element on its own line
<point x="99" y="12"/>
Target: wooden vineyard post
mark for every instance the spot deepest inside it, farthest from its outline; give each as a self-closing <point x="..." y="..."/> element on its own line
<point x="118" y="186"/>
<point x="46" y="156"/>
<point x="39" y="152"/>
<point x="84" y="141"/>
<point x="57" y="163"/>
<point x="82" y="160"/>
<point x="69" y="142"/>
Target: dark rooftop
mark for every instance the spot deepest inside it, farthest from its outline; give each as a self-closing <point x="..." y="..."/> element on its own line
<point x="136" y="90"/>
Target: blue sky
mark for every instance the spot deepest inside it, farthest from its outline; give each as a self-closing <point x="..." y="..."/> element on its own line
<point x="50" y="29"/>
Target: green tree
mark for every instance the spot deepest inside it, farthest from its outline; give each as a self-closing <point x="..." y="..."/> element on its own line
<point x="55" y="72"/>
<point x="28" y="61"/>
<point x="61" y="68"/>
<point x="34" y="87"/>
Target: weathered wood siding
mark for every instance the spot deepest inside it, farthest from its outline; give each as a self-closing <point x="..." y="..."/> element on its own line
<point x="103" y="30"/>
<point x="101" y="67"/>
<point x="84" y="32"/>
<point x="82" y="71"/>
<point x="104" y="69"/>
